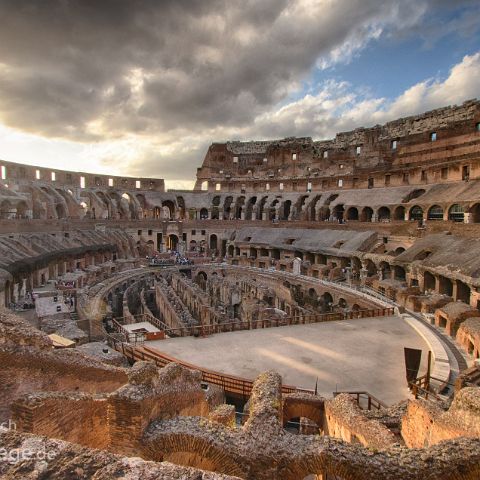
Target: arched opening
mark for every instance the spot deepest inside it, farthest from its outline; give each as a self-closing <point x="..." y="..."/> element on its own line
<point x="22" y="208"/>
<point x="428" y="282"/>
<point x="399" y="273"/>
<point x="324" y="213"/>
<point x="203" y="214"/>
<point x="213" y="242"/>
<point x="170" y="213"/>
<point x="275" y="253"/>
<point x="326" y="302"/>
<point x="227" y="208"/>
<point x="398" y="251"/>
<point x="172" y="242"/>
<point x="383" y="214"/>
<point x="201" y="280"/>
<point x="287" y="206"/>
<point x="386" y="270"/>
<point x="463" y="292"/>
<point x="342" y="303"/>
<point x="249" y="210"/>
<point x="367" y="214"/>
<point x="338" y="212"/>
<point x="416" y="213"/>
<point x="157" y="212"/>
<point x="231" y="250"/>
<point x="261" y="207"/>
<point x="475" y="211"/>
<point x="435" y="213"/>
<point x="5" y="209"/>
<point x="192" y="246"/>
<point x="181" y="208"/>
<point x="239" y="204"/>
<point x="60" y="210"/>
<point x="456" y="213"/>
<point x="273" y="210"/>
<point x="445" y="286"/>
<point x="399" y="213"/>
<point x="352" y="213"/>
<point x="311" y="213"/>
<point x="371" y="268"/>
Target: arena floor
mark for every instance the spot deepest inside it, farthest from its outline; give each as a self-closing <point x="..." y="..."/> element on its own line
<point x="365" y="354"/>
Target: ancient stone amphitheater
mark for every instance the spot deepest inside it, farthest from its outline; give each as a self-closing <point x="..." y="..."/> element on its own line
<point x="122" y="303"/>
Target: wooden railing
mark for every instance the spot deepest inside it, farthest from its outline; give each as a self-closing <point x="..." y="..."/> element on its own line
<point x="421" y="387"/>
<point x="230" y="384"/>
<point x="202" y="330"/>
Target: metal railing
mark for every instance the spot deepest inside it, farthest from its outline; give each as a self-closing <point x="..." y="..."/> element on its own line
<point x="364" y="399"/>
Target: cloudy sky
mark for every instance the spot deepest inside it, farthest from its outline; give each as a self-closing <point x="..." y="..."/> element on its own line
<point x="142" y="88"/>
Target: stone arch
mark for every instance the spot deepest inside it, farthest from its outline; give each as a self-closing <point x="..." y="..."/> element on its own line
<point x="338" y="211"/>
<point x="239" y="206"/>
<point x="203" y="214"/>
<point x="171" y="208"/>
<point x="367" y="214"/>
<point x="463" y="292"/>
<point x="60" y="210"/>
<point x="324" y="213"/>
<point x="213" y="242"/>
<point x="383" y="214"/>
<point x="386" y="270"/>
<point x="435" y="212"/>
<point x="250" y="207"/>
<point x="428" y="282"/>
<point x="326" y="301"/>
<point x="309" y="408"/>
<point x="475" y="213"/>
<point x="399" y="273"/>
<point x="285" y="210"/>
<point x="352" y="213"/>
<point x="227" y="207"/>
<point x="172" y="242"/>
<point x="299" y="204"/>
<point x="261" y="207"/>
<point x="399" y="213"/>
<point x="416" y="213"/>
<point x="342" y="303"/>
<point x="5" y="209"/>
<point x="272" y="212"/>
<point x="445" y="286"/>
<point x="201" y="279"/>
<point x="370" y="267"/>
<point x="182" y="210"/>
<point x="456" y="213"/>
<point x="192" y="451"/>
<point x="311" y="209"/>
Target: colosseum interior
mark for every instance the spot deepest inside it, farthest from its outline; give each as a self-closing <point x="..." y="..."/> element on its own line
<point x="310" y="310"/>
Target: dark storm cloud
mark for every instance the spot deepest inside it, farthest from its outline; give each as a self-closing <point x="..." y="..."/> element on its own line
<point x="89" y="70"/>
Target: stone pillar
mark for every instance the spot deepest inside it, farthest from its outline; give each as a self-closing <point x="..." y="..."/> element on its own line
<point x="23" y="288"/>
<point x="220" y="215"/>
<point x="363" y="275"/>
<point x="242" y="214"/>
<point x="374" y="217"/>
<point x="467" y="217"/>
<point x="348" y="274"/>
<point x="264" y="215"/>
